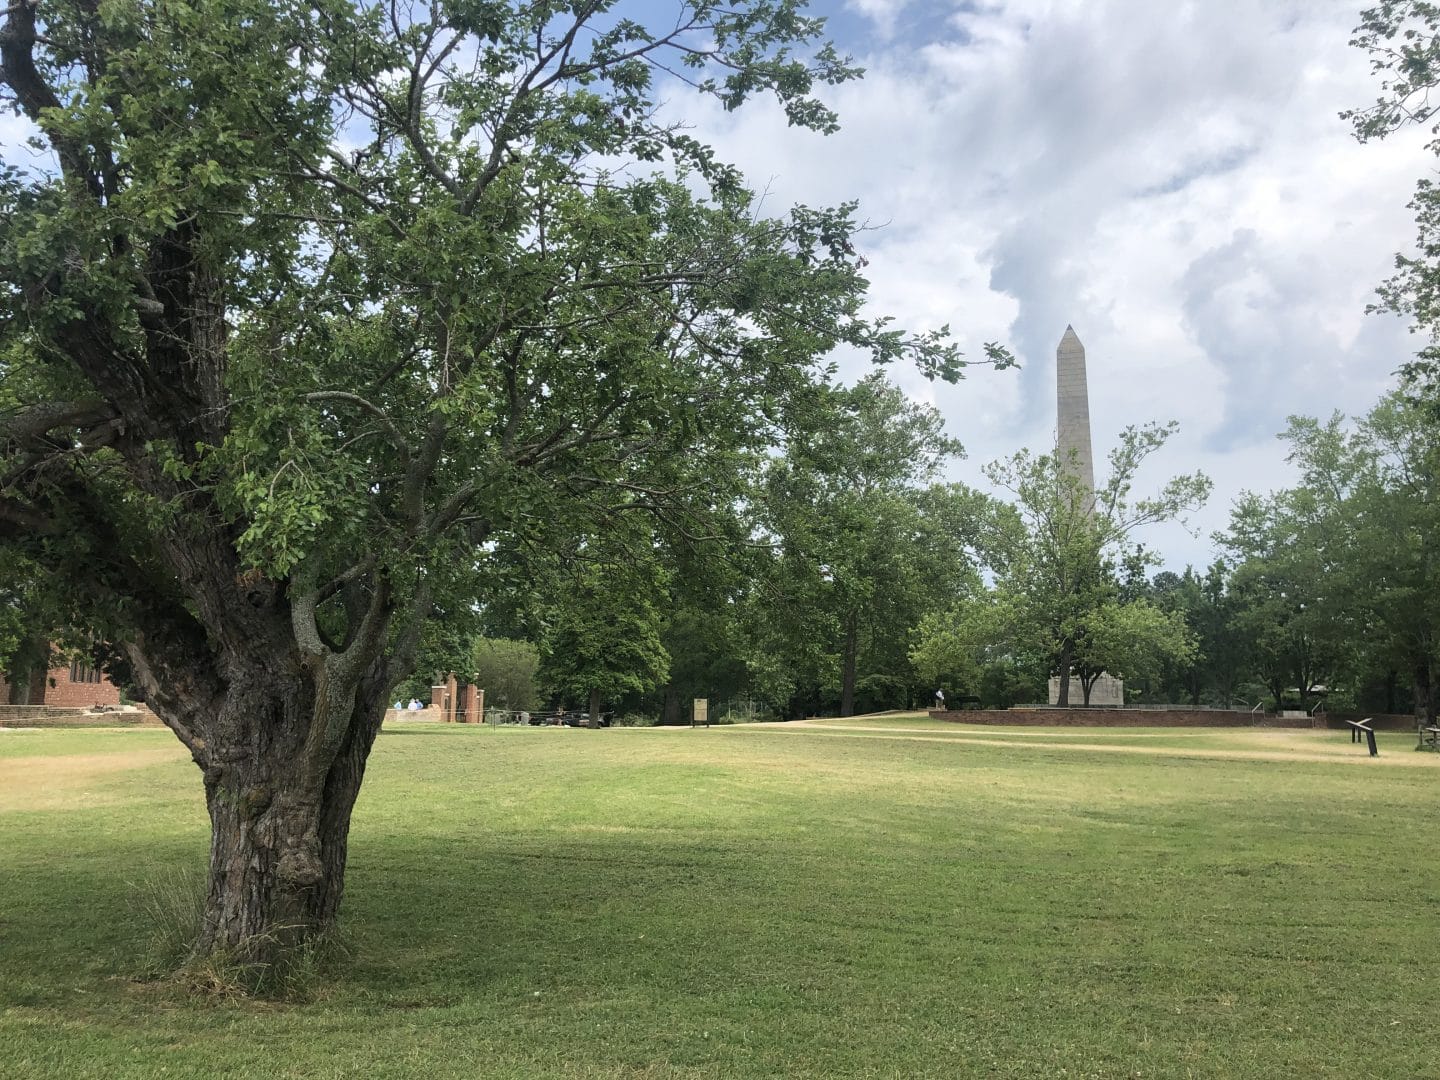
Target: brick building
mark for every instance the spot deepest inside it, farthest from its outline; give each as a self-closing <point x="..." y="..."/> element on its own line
<point x="75" y="685"/>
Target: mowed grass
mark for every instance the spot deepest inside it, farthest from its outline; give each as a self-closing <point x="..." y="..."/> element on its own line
<point x="861" y="898"/>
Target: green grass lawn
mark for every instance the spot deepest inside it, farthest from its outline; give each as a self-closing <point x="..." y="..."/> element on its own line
<point x="881" y="898"/>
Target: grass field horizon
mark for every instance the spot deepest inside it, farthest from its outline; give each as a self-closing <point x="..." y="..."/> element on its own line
<point x="884" y="896"/>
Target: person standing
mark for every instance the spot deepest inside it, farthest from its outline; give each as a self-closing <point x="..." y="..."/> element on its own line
<point x="939" y="699"/>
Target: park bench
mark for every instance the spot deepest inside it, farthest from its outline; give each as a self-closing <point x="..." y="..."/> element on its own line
<point x="1430" y="735"/>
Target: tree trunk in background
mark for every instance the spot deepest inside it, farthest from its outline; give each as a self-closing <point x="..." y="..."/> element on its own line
<point x="670" y="708"/>
<point x="32" y="664"/>
<point x="1067" y="654"/>
<point x="1424" y="696"/>
<point x="594" y="708"/>
<point x="847" y="665"/>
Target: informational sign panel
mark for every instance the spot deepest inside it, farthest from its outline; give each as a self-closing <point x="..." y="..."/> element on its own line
<point x="701" y="714"/>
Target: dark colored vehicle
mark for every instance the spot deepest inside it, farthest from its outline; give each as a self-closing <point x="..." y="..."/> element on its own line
<point x="583" y="720"/>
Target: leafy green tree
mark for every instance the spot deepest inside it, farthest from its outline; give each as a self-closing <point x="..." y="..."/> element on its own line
<point x="959" y="650"/>
<point x="505" y="669"/>
<point x="1214" y="672"/>
<point x="25" y="625"/>
<point x="445" y="645"/>
<point x="1137" y="640"/>
<point x="1402" y="39"/>
<point x="863" y="547"/>
<point x="1055" y="549"/>
<point x="1288" y="609"/>
<point x="1359" y="534"/>
<point x="325" y="307"/>
<point x="604" y="640"/>
<point x="1392" y="520"/>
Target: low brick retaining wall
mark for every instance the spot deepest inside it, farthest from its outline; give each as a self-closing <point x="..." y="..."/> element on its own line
<point x="62" y="716"/>
<point x="1100" y="717"/>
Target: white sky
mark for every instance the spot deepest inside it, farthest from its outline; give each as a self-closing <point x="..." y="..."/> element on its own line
<point x="1170" y="177"/>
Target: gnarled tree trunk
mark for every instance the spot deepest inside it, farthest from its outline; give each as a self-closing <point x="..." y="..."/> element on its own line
<point x="278" y="841"/>
<point x="281" y="735"/>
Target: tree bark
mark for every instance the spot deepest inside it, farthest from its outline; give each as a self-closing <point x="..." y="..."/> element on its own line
<point x="278" y="835"/>
<point x="1424" y="696"/>
<point x="594" y="708"/>
<point x="281" y="735"/>
<point x="1067" y="653"/>
<point x="847" y="665"/>
<point x="670" y="708"/>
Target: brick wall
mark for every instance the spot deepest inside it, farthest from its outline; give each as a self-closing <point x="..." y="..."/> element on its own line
<point x="1099" y="717"/>
<point x="1161" y="718"/>
<point x="55" y="716"/>
<point x="69" y="686"/>
<point x="92" y="688"/>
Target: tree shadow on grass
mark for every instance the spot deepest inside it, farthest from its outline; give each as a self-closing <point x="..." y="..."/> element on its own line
<point x="538" y="910"/>
<point x="430" y="920"/>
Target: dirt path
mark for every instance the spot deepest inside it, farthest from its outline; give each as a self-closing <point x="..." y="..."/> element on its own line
<point x="993" y="732"/>
<point x="59" y="780"/>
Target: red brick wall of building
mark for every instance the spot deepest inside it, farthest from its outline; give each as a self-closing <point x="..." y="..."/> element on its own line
<point x="59" y="689"/>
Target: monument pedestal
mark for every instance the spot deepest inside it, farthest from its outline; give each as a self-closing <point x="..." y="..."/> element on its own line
<point x="1107" y="690"/>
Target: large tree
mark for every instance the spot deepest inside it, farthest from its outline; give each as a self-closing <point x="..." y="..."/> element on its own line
<point x="1214" y="672"/>
<point x="1347" y="563"/>
<point x="506" y="670"/>
<point x="1391" y="519"/>
<point x="603" y="639"/>
<point x="862" y="547"/>
<point x="1402" y="39"/>
<point x="1055" y="548"/>
<point x="313" y="309"/>
<point x="1289" y="610"/>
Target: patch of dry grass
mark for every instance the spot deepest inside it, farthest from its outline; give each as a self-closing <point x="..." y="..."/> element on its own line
<point x="74" y="781"/>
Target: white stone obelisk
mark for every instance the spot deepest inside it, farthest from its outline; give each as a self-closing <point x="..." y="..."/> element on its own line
<point x="1072" y="443"/>
<point x="1072" y="414"/>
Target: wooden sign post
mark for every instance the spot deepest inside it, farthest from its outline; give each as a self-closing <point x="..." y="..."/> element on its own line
<point x="700" y="713"/>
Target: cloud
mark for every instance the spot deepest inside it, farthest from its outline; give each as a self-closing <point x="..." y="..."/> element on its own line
<point x="1172" y="179"/>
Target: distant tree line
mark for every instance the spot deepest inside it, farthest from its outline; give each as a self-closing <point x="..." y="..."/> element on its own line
<point x="856" y="582"/>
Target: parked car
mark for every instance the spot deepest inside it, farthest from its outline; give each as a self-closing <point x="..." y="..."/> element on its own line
<point x="583" y="720"/>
